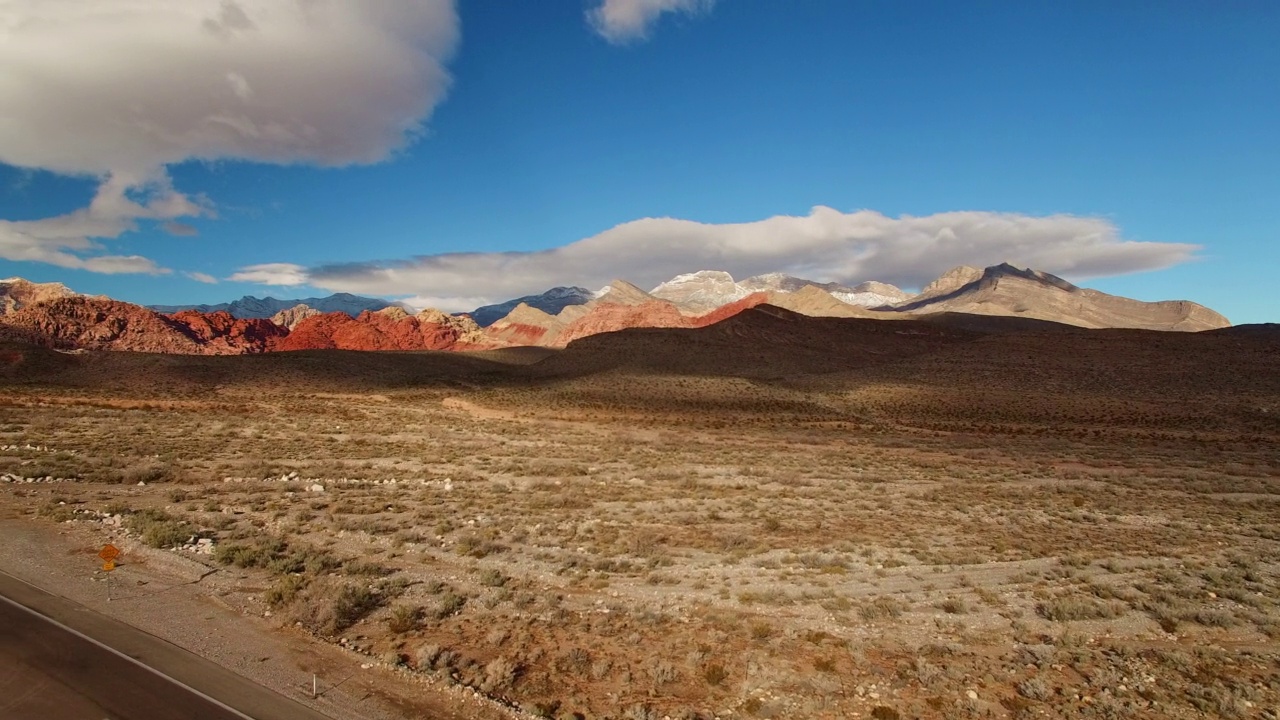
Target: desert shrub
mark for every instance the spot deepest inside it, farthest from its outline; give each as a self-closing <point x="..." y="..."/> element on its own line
<point x="367" y="569"/>
<point x="327" y="607"/>
<point x="55" y="511"/>
<point x="277" y="556"/>
<point x="259" y="554"/>
<point x="714" y="674"/>
<point x="158" y="529"/>
<point x="404" y="618"/>
<point x="425" y="658"/>
<point x="284" y="591"/>
<point x="352" y="604"/>
<point x="472" y="545"/>
<point x="1064" y="609"/>
<point x="884" y="712"/>
<point x="881" y="608"/>
<point x="493" y="577"/>
<point x="450" y="604"/>
<point x="954" y="606"/>
<point x="148" y="472"/>
<point x="499" y="674"/>
<point x="1034" y="689"/>
<point x="663" y="672"/>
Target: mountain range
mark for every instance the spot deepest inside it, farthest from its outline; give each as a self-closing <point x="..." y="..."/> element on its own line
<point x="54" y="316"/>
<point x="252" y="307"/>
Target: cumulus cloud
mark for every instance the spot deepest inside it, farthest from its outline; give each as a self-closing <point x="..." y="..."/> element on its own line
<point x="120" y="89"/>
<point x="826" y="245"/>
<point x="624" y="21"/>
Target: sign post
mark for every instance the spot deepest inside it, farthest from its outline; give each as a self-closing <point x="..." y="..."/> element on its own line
<point x="109" y="553"/>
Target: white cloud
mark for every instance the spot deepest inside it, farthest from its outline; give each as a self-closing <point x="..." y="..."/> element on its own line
<point x="205" y="278"/>
<point x="449" y="304"/>
<point x="278" y="274"/>
<point x="119" y="89"/>
<point x="115" y="209"/>
<point x="825" y="245"/>
<point x="623" y="21"/>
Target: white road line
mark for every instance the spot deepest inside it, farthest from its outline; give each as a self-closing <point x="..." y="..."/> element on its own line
<point x="123" y="656"/>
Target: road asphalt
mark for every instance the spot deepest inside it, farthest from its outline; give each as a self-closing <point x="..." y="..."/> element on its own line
<point x="60" y="659"/>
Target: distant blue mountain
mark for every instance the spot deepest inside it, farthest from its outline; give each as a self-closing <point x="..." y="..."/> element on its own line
<point x="252" y="307"/>
<point x="551" y="302"/>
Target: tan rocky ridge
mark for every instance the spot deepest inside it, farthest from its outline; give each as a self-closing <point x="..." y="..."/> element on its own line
<point x="290" y="317"/>
<point x="17" y="293"/>
<point x="1008" y="290"/>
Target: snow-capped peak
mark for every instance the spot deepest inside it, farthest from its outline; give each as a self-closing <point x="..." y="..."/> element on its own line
<point x="701" y="291"/>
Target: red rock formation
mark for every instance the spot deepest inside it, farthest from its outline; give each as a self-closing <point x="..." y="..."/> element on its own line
<point x="94" y="324"/>
<point x="390" y="329"/>
<point x="222" y="334"/>
<point x="88" y="323"/>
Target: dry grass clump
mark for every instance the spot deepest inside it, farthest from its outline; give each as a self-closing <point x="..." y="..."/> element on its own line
<point x="1072" y="607"/>
<point x="159" y="529"/>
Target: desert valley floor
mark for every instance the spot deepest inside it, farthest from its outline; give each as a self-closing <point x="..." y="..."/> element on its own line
<point x="773" y="517"/>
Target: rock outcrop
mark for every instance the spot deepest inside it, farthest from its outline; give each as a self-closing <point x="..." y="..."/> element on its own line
<point x="17" y="293"/>
<point x="387" y="329"/>
<point x="290" y="317"/>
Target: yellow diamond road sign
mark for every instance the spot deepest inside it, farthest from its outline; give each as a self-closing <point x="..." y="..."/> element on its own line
<point x="109" y="552"/>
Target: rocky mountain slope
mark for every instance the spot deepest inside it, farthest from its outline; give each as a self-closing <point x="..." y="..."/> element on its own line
<point x="253" y="307"/>
<point x="1008" y="290"/>
<point x="701" y="291"/>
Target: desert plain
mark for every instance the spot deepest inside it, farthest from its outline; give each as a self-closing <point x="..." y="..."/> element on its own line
<point x="775" y="516"/>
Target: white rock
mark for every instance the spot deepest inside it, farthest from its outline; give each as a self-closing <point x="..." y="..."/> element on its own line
<point x="315" y="488"/>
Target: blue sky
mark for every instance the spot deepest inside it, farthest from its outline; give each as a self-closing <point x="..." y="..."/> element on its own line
<point x="1094" y="139"/>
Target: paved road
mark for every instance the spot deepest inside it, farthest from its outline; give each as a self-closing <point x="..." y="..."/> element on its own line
<point x="61" y="660"/>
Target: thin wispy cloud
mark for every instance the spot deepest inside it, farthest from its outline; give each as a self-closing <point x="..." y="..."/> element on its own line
<point x="825" y="245"/>
<point x="275" y="274"/>
<point x="626" y="21"/>
<point x="121" y="89"/>
<point x="200" y="277"/>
